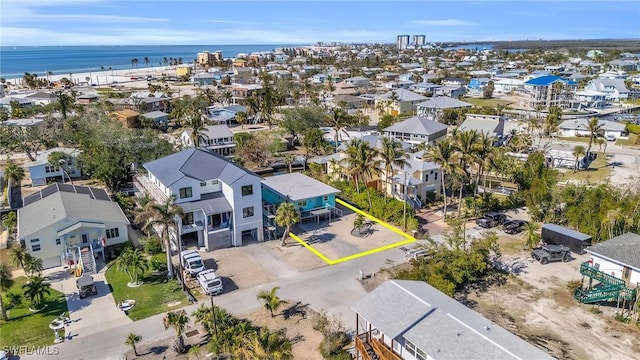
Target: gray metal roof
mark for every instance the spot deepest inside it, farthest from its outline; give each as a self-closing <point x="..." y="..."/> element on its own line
<point x="213" y="203"/>
<point x="582" y="124"/>
<point x="197" y="164"/>
<point x="624" y="249"/>
<point x="439" y="325"/>
<point x="566" y="231"/>
<point x="403" y="95"/>
<point x="154" y="114"/>
<point x="443" y="102"/>
<point x="417" y="125"/>
<point x="298" y="186"/>
<point x="63" y="201"/>
<point x="481" y="125"/>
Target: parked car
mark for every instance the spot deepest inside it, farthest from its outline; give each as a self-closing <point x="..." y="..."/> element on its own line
<point x="491" y="219"/>
<point x="210" y="282"/>
<point x="549" y="253"/>
<point x="417" y="254"/>
<point x="86" y="286"/>
<point x="192" y="262"/>
<point x="514" y="226"/>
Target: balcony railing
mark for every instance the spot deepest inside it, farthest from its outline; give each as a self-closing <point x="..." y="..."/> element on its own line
<point x="145" y="185"/>
<point x="380" y="350"/>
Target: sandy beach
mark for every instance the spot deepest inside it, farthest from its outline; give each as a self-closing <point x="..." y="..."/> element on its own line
<point x="106" y="77"/>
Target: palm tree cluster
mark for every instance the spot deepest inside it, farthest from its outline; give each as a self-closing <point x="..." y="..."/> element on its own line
<point x="458" y="156"/>
<point x="362" y="162"/>
<point x="229" y="336"/>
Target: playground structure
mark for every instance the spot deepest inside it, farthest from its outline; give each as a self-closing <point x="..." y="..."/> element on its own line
<point x="610" y="288"/>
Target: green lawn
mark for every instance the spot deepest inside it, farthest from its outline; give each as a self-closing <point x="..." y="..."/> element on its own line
<point x="30" y="328"/>
<point x="151" y="298"/>
<point x="598" y="171"/>
<point x="633" y="139"/>
<point x="483" y="102"/>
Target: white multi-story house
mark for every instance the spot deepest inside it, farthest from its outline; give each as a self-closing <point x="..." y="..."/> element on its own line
<point x="614" y="89"/>
<point x="550" y="90"/>
<point x="222" y="202"/>
<point x="418" y="182"/>
<point x="215" y="138"/>
<point x="416" y="130"/>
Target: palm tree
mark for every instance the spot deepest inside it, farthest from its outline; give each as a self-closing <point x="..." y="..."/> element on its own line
<point x="270" y="299"/>
<point x="361" y="161"/>
<point x="178" y="320"/>
<point x="35" y="289"/>
<point x="392" y="155"/>
<point x="288" y="160"/>
<point x="265" y="345"/>
<point x="133" y="339"/>
<point x="18" y="256"/>
<point x="286" y="215"/>
<point x="465" y="143"/>
<point x="530" y="235"/>
<point x="594" y="128"/>
<point x="10" y="221"/>
<point x="483" y="151"/>
<point x="553" y="120"/>
<point x="198" y="131"/>
<point x="142" y="210"/>
<point x="133" y="263"/>
<point x="32" y="265"/>
<point x="578" y="151"/>
<point x="358" y="222"/>
<point x="13" y="172"/>
<point x="241" y="118"/>
<point x="5" y="284"/>
<point x="443" y="154"/>
<point x="338" y="121"/>
<point x="146" y="61"/>
<point x="164" y="216"/>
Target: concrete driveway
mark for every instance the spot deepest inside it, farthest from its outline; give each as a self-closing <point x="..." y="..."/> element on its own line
<point x="92" y="314"/>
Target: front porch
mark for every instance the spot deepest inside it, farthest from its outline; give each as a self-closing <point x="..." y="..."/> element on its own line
<point x="211" y="231"/>
<point x="83" y="244"/>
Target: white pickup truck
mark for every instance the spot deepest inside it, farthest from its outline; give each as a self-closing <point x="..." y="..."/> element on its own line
<point x="210" y="282"/>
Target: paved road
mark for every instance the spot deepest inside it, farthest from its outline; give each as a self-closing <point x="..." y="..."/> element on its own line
<point x="333" y="288"/>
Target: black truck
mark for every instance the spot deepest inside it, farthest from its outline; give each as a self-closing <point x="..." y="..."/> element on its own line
<point x="560" y="235"/>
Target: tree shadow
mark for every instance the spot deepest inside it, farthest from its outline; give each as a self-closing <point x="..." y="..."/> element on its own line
<point x="297" y="309"/>
<point x="155" y="350"/>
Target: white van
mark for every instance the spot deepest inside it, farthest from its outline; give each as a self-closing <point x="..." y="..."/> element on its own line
<point x="192" y="262"/>
<point x="210" y="282"/>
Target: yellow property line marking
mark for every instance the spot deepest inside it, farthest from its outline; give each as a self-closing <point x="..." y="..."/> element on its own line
<point x="409" y="239"/>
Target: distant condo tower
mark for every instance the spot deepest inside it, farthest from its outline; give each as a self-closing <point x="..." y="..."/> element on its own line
<point x="207" y="58"/>
<point x="403" y="42"/>
<point x="419" y="40"/>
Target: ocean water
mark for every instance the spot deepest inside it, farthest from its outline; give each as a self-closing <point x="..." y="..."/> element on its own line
<point x="16" y="60"/>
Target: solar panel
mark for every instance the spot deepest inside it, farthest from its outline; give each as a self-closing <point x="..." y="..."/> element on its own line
<point x="83" y="190"/>
<point x="100" y="194"/>
<point x="48" y="191"/>
<point x="30" y="199"/>
<point x="66" y="188"/>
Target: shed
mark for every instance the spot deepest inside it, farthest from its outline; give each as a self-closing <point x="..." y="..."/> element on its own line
<point x="560" y="235"/>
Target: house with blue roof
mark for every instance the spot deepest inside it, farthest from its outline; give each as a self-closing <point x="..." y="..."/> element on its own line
<point x="550" y="90"/>
<point x="221" y="201"/>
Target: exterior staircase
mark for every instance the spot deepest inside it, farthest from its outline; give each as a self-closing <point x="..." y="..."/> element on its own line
<point x="613" y="289"/>
<point x="87" y="259"/>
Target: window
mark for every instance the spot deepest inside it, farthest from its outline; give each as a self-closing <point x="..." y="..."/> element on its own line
<point x="187" y="219"/>
<point x="57" y="241"/>
<point x="185" y="192"/>
<point x="50" y="169"/>
<point x="435" y="176"/>
<point x="113" y="233"/>
<point x="325" y="198"/>
<point x="214" y="182"/>
<point x="247" y="212"/>
<point x="35" y="241"/>
<point x="426" y="178"/>
<point x="247" y="190"/>
<point x="204" y="183"/>
<point x="411" y="349"/>
<point x="35" y="247"/>
<point x="85" y="238"/>
<point x="302" y="203"/>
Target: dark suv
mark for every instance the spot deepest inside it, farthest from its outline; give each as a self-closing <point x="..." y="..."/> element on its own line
<point x="514" y="226"/>
<point x="491" y="219"/>
<point x="547" y="253"/>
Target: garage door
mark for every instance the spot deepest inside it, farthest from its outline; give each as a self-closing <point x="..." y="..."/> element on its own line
<point x="51" y="262"/>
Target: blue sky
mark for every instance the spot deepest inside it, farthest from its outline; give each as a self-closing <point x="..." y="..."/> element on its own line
<point x="215" y="22"/>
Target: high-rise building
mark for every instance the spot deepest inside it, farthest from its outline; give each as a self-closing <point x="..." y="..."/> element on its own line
<point x="419" y="40"/>
<point x="403" y="42"/>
